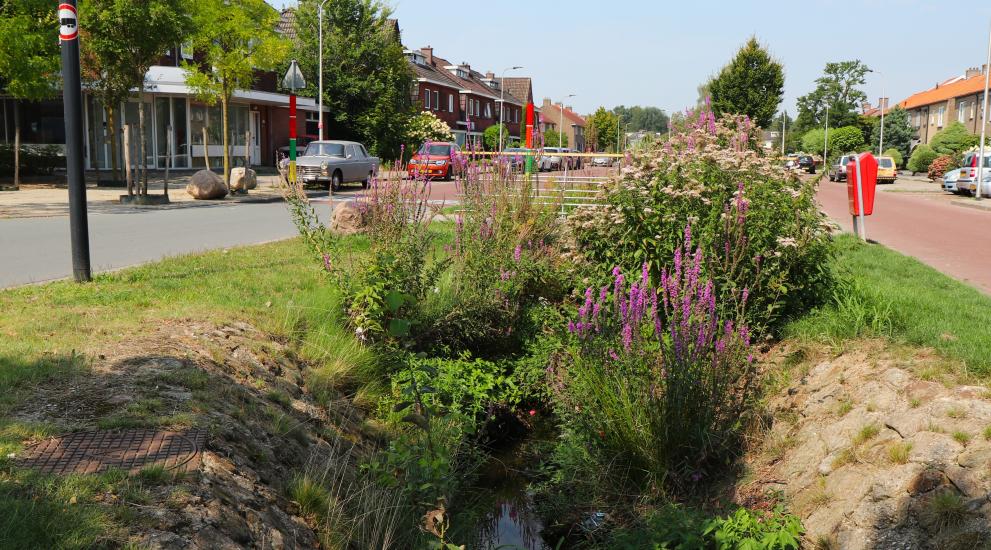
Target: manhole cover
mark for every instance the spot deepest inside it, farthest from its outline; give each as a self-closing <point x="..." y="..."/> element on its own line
<point x="130" y="450"/>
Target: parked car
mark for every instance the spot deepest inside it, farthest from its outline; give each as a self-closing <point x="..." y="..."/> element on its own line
<point x="602" y="161"/>
<point x="336" y="163"/>
<point x="967" y="181"/>
<point x="440" y="159"/>
<point x="807" y="163"/>
<point x="516" y="157"/>
<point x="950" y="180"/>
<point x="887" y="172"/>
<point x="574" y="163"/>
<point x="837" y="172"/>
<point x="550" y="160"/>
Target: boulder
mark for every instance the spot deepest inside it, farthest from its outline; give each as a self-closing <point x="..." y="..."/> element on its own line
<point x="205" y="185"/>
<point x="347" y="219"/>
<point x="243" y="179"/>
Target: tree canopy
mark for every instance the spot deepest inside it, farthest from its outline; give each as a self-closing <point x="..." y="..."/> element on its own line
<point x="898" y="131"/>
<point x="953" y="139"/>
<point x="637" y="118"/>
<point x="29" y="49"/>
<point x="553" y="138"/>
<point x="603" y="130"/>
<point x="839" y="88"/>
<point x="751" y="84"/>
<point x="367" y="80"/>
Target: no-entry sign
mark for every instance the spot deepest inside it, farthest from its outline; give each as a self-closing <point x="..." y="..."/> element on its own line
<point x="68" y="22"/>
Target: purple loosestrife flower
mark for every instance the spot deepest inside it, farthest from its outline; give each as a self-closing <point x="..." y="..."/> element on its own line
<point x="627" y="336"/>
<point x="326" y="263"/>
<point x="517" y="253"/>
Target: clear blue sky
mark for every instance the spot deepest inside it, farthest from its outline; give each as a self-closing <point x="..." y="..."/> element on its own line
<point x="653" y="52"/>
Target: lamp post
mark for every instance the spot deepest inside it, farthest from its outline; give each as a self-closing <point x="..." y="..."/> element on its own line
<point x="502" y="98"/>
<point x="984" y="122"/>
<point x="320" y="69"/>
<point x="880" y="145"/>
<point x="560" y="128"/>
<point x="825" y="142"/>
<point x="784" y="128"/>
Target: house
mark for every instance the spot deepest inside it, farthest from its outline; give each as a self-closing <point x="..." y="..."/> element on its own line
<point x="957" y="99"/>
<point x="169" y="103"/>
<point x="555" y="115"/>
<point x="867" y="109"/>
<point x="467" y="100"/>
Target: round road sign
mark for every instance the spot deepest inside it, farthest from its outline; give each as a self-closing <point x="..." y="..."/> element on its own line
<point x="67" y="20"/>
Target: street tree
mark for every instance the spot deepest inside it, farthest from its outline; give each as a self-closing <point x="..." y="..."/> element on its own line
<point x="954" y="139"/>
<point x="751" y="84"/>
<point x="898" y="131"/>
<point x="553" y="138"/>
<point x="839" y="88"/>
<point x="236" y="38"/>
<point x="847" y="139"/>
<point x="121" y="40"/>
<point x="603" y="130"/>
<point x="366" y="77"/>
<point x="490" y="137"/>
<point x="637" y="118"/>
<point x="29" y="58"/>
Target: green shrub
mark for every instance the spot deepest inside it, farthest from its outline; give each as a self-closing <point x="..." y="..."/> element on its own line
<point x="953" y="140"/>
<point x="896" y="155"/>
<point x="847" y="139"/>
<point x="34" y="160"/>
<point x="922" y="157"/>
<point x="736" y="201"/>
<point x="940" y="165"/>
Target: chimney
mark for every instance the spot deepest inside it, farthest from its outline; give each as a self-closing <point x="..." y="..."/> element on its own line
<point x="428" y="54"/>
<point x="972" y="72"/>
<point x="865" y="106"/>
<point x="568" y="107"/>
<point x="547" y="102"/>
<point x="490" y="75"/>
<point x="884" y="103"/>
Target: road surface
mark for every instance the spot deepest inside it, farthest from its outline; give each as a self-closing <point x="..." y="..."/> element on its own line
<point x="37" y="249"/>
<point x="953" y="239"/>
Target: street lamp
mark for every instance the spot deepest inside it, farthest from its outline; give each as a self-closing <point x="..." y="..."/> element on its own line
<point x="560" y="128"/>
<point x="880" y="145"/>
<point x="825" y="142"/>
<point x="320" y="76"/>
<point x="984" y="122"/>
<point x="502" y="98"/>
<point x="784" y="128"/>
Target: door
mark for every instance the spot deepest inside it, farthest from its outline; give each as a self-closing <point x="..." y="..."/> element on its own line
<point x="352" y="165"/>
<point x="256" y="131"/>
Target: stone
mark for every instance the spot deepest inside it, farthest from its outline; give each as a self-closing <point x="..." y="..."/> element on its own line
<point x="243" y="179"/>
<point x="205" y="185"/>
<point x="926" y="480"/>
<point x="347" y="219"/>
<point x="975" y="457"/>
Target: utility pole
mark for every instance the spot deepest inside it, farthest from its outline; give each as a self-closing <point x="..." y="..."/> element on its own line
<point x="72" y="94"/>
<point x="320" y="69"/>
<point x="560" y="128"/>
<point x="825" y="143"/>
<point x="784" y="128"/>
<point x="984" y="123"/>
<point x="502" y="98"/>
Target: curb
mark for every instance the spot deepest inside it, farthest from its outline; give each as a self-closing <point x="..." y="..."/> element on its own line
<point x="983" y="205"/>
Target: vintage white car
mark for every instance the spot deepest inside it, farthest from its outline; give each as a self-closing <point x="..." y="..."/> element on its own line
<point x="335" y="163"/>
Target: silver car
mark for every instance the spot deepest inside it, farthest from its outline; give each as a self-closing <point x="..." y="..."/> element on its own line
<point x="336" y="163"/>
<point x="837" y="172"/>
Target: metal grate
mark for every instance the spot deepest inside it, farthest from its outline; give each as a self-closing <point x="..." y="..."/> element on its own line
<point x="131" y="450"/>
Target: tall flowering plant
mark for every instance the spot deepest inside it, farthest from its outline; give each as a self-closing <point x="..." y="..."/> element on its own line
<point x="658" y="383"/>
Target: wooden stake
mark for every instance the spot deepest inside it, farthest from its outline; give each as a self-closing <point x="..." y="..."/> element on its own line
<point x="127" y="159"/>
<point x="168" y="158"/>
<point x="206" y="150"/>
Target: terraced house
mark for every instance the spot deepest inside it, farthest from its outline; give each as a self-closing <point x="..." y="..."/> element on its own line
<point x="467" y="100"/>
<point x="957" y="99"/>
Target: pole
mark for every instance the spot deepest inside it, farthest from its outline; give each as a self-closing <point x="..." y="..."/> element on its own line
<point x="292" y="140"/>
<point x="784" y="128"/>
<point x="862" y="228"/>
<point x="984" y="122"/>
<point x="880" y="145"/>
<point x="502" y="103"/>
<point x="560" y="128"/>
<point x="825" y="142"/>
<point x="319" y="76"/>
<point x="73" y="99"/>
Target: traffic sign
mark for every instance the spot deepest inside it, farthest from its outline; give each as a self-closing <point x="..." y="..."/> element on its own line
<point x="294" y="78"/>
<point x="68" y="22"/>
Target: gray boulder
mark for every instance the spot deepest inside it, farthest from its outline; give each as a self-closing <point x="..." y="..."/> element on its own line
<point x="205" y="185"/>
<point x="347" y="219"/>
<point x="243" y="179"/>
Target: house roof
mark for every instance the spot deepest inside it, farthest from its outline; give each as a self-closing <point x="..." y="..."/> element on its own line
<point x="572" y="116"/>
<point x="287" y="25"/>
<point x="520" y="86"/>
<point x="473" y="83"/>
<point x="954" y="87"/>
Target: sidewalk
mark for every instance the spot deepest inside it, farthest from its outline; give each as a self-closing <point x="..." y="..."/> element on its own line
<point x="44" y="199"/>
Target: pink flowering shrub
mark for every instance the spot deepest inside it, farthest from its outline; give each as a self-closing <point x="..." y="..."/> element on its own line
<point x="658" y="385"/>
<point x="758" y="226"/>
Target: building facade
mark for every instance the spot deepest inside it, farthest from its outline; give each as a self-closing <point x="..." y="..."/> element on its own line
<point x="959" y="99"/>
<point x="562" y="118"/>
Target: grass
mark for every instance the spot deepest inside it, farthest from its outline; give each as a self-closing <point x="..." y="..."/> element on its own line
<point x="961" y="437"/>
<point x="898" y="453"/>
<point x="946" y="509"/>
<point x="888" y="294"/>
<point x="866" y="433"/>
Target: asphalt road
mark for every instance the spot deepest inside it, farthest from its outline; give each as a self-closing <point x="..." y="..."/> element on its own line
<point x="37" y="249"/>
<point x="948" y="237"/>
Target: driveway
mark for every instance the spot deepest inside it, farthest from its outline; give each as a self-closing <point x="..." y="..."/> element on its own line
<point x="924" y="225"/>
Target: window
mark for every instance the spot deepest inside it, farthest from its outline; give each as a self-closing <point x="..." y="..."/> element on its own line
<point x="186" y="50"/>
<point x="972" y="110"/>
<point x="961" y="111"/>
<point x="426" y="99"/>
<point x="450" y="103"/>
<point x="312" y="122"/>
<point x="939" y="115"/>
<point x="436" y="100"/>
<point x="488" y="110"/>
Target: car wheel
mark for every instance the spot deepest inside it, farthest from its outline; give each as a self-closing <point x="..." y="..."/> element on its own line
<point x="364" y="183"/>
<point x="335" y="181"/>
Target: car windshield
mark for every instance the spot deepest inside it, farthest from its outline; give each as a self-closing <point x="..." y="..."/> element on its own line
<point x="324" y="150"/>
<point x="436" y="149"/>
<point x="885" y="163"/>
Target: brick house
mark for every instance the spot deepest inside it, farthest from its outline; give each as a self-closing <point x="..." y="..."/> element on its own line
<point x="957" y="99"/>
<point x="552" y="115"/>
<point x="170" y="103"/>
<point x="467" y="100"/>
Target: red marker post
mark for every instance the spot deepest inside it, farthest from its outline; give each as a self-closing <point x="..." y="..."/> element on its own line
<point x="293" y="81"/>
<point x="860" y="186"/>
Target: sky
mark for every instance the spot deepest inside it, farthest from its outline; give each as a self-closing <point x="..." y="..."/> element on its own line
<point x="644" y="52"/>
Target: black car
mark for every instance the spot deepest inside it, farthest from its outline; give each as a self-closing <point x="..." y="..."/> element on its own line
<point x="807" y="163"/>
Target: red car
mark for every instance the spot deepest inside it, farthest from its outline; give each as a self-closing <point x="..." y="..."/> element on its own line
<point x="436" y="159"/>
